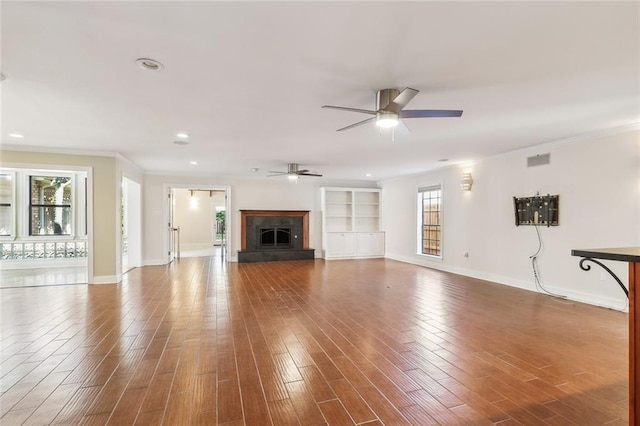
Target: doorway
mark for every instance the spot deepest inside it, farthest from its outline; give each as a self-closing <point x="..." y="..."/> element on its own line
<point x="198" y="221"/>
<point x="131" y="235"/>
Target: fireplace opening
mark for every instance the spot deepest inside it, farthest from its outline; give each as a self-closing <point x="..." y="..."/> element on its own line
<point x="274" y="238"/>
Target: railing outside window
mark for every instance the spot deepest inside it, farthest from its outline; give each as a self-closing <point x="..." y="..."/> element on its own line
<point x="43" y="250"/>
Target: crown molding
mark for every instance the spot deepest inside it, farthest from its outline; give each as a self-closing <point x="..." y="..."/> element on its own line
<point x="47" y="150"/>
<point x="86" y="153"/>
<point x="582" y="137"/>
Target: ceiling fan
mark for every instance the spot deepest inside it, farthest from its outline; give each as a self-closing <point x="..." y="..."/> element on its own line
<point x="293" y="172"/>
<point x="389" y="109"/>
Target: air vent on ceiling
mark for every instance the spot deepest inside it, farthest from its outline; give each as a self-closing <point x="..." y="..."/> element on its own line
<point x="538" y="160"/>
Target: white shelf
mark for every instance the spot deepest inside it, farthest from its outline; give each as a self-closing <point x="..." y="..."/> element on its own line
<point x="351" y="223"/>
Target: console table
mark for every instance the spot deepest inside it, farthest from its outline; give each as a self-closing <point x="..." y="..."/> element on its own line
<point x="631" y="255"/>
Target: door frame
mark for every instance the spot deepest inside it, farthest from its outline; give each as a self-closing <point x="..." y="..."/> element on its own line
<point x="166" y="189"/>
<point x="131" y="195"/>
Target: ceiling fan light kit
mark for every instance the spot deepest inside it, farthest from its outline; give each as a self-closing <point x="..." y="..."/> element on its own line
<point x="386" y="119"/>
<point x="389" y="109"/>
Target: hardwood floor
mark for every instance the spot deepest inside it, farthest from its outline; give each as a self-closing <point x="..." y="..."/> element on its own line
<point x="367" y="342"/>
<point x="36" y="277"/>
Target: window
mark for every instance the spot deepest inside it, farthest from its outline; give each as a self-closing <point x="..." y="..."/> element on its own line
<point x="50" y="205"/>
<point x="430" y="208"/>
<point x="6" y="204"/>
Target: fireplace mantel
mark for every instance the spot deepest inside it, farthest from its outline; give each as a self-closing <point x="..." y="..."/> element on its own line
<point x="304" y="214"/>
<point x="251" y="223"/>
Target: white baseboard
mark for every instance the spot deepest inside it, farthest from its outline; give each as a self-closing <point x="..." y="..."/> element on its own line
<point x="106" y="279"/>
<point x="154" y="262"/>
<point x="590" y="299"/>
<point x="577" y="296"/>
<point x="196" y="246"/>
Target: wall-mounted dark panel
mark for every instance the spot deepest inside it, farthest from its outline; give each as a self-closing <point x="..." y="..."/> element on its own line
<point x="541" y="210"/>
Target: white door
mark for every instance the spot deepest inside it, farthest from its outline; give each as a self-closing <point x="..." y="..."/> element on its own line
<point x="132" y="222"/>
<point x="170" y="228"/>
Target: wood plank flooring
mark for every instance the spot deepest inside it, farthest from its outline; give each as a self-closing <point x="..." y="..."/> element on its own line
<point x="367" y="342"/>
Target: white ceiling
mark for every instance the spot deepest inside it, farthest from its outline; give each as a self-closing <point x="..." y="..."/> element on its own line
<point x="246" y="80"/>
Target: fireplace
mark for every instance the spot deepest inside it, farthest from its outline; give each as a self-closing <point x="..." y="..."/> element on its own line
<point x="274" y="238"/>
<point x="268" y="235"/>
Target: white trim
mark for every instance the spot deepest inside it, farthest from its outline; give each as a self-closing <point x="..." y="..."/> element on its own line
<point x="133" y="165"/>
<point x="166" y="187"/>
<point x="154" y="262"/>
<point x="419" y="216"/>
<point x="577" y="296"/>
<point x="13" y="232"/>
<point x="106" y="279"/>
<point x="75" y="168"/>
<point x="544" y="145"/>
<point x="70" y="151"/>
<point x="90" y="238"/>
<point x="595" y="134"/>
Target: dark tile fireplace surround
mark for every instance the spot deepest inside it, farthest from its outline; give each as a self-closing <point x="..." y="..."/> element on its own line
<point x="271" y="235"/>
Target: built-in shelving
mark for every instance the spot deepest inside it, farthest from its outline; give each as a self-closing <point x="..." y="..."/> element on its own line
<point x="351" y="222"/>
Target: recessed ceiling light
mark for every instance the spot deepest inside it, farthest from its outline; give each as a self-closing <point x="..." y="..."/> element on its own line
<point x="16" y="135"/>
<point x="255" y="169"/>
<point x="368" y="175"/>
<point x="181" y="142"/>
<point x="193" y="163"/>
<point x="149" y="64"/>
<point x="443" y="160"/>
<point x="182" y="135"/>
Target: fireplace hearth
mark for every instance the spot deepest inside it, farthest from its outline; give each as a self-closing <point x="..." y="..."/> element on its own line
<point x="271" y="235"/>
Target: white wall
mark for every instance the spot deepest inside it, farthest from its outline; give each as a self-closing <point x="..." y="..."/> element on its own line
<point x="194" y="214"/>
<point x="104" y="256"/>
<point x="250" y="194"/>
<point x="598" y="180"/>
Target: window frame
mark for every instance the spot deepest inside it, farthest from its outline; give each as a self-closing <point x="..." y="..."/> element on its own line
<point x="13" y="211"/>
<point x="29" y="205"/>
<point x="420" y="220"/>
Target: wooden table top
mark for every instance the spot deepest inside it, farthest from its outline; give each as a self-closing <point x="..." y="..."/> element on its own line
<point x="623" y="254"/>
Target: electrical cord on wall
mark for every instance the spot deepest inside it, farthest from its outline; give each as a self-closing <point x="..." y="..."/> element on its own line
<point x="540" y="288"/>
<point x="536" y="275"/>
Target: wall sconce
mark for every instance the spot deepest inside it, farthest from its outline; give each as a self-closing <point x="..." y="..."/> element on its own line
<point x="466" y="182"/>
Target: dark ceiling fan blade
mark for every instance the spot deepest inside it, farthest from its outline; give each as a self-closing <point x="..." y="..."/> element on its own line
<point x="424" y="113"/>
<point x="364" y="111"/>
<point x="302" y="171"/>
<point x="356" y="124"/>
<point x="405" y="97"/>
<point x="310" y="174"/>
